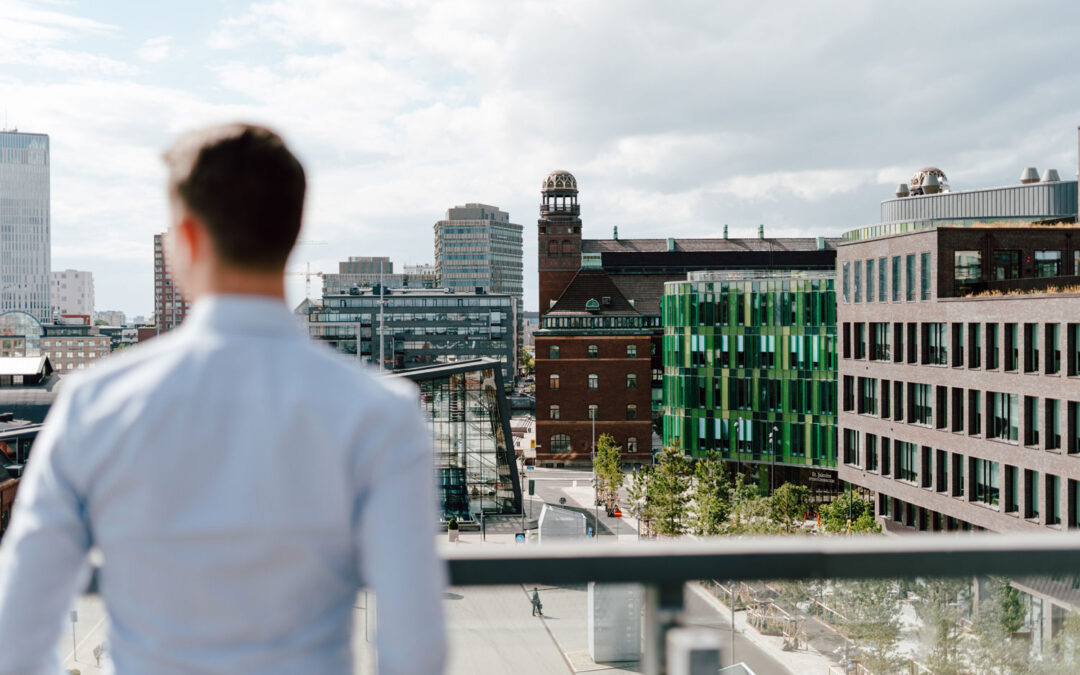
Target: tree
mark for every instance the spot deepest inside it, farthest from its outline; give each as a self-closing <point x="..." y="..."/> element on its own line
<point x="668" y="493"/>
<point x="711" y="494"/>
<point x="871" y="611"/>
<point x="607" y="463"/>
<point x="1000" y="615"/>
<point x="749" y="510"/>
<point x="528" y="363"/>
<point x="638" y="493"/>
<point x="834" y="515"/>
<point x="787" y="505"/>
<point x="940" y="604"/>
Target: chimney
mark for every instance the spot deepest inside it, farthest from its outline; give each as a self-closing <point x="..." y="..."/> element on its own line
<point x="761" y="231"/>
<point x="725" y="230"/>
<point x="670" y="244"/>
<point x="1030" y="175"/>
<point x="821" y="243"/>
<point x="615" y="234"/>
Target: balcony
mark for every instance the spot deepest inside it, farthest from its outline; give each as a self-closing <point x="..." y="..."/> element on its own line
<point x="563" y="210"/>
<point x="801" y="604"/>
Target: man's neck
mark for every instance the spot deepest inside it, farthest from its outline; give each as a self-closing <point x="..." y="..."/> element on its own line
<point x="242" y="282"/>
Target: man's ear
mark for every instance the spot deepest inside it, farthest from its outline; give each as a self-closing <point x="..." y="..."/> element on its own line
<point x="191" y="237"/>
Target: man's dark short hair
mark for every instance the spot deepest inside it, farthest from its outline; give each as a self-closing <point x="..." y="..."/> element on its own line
<point x="246" y="187"/>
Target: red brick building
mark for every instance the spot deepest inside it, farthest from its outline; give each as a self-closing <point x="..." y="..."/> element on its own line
<point x="170" y="307"/>
<point x="598" y="348"/>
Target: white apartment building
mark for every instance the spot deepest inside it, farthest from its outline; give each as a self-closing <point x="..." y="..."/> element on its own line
<point x="72" y="292"/>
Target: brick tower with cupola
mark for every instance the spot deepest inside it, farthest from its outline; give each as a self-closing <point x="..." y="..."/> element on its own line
<point x="559" y="233"/>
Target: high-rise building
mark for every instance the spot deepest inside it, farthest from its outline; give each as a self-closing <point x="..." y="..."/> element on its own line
<point x="477" y="247"/>
<point x="960" y="403"/>
<point x="750" y="372"/>
<point x="25" y="223"/>
<point x="599" y="345"/>
<point x="72" y="292"/>
<point x="170" y="306"/>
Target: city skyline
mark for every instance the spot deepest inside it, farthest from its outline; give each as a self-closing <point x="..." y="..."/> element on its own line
<point x="799" y="118"/>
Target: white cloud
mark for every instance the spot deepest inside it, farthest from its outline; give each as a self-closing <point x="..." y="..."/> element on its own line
<point x="155" y="50"/>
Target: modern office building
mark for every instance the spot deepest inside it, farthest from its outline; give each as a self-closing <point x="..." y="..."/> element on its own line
<point x="599" y="343"/>
<point x="359" y="272"/>
<point x="25" y="223"/>
<point x="960" y="358"/>
<point x="421" y="326"/>
<point x="477" y="247"/>
<point x="750" y="371"/>
<point x="72" y="292"/>
<point x="170" y="306"/>
<point x="467" y="409"/>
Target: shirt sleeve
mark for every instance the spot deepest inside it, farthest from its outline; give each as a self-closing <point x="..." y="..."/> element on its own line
<point x="43" y="554"/>
<point x="396" y="549"/>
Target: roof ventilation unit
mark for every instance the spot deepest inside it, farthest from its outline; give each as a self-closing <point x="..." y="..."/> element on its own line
<point x="1050" y="176"/>
<point x="931" y="185"/>
<point x="1030" y="175"/>
<point x="902" y="190"/>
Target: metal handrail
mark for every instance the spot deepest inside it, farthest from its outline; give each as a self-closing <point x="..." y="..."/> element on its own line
<point x="795" y="557"/>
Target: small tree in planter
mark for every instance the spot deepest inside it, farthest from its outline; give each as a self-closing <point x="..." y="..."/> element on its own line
<point x="452" y="529"/>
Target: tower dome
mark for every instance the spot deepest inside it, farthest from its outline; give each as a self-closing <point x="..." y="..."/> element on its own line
<point x="559" y="180"/>
<point x="929" y="180"/>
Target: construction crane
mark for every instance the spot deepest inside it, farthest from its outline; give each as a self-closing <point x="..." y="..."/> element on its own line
<point x="307" y="274"/>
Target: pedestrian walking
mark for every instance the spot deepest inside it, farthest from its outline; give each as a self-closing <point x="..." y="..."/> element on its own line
<point x="538" y="608"/>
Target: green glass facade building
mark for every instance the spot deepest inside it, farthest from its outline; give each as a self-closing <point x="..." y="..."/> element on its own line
<point x="750" y="371"/>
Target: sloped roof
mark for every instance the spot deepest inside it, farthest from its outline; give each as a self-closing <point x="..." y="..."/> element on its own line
<point x="712" y="244"/>
<point x="589" y="285"/>
<point x="645" y="290"/>
<point x="22" y="365"/>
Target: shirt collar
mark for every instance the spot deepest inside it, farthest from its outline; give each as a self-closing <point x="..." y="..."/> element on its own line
<point x="242" y="314"/>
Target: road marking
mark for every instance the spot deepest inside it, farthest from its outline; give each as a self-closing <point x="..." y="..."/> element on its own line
<point x="71" y="656"/>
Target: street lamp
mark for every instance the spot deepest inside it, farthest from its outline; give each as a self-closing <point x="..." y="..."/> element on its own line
<point x="596" y="477"/>
<point x="772" y="458"/>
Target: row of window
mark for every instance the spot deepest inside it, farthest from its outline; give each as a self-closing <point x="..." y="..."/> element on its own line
<point x="592" y="381"/>
<point x="555" y="412"/>
<point x="559" y="444"/>
<point x="975" y="345"/>
<point x="787" y="352"/>
<point x="695" y="305"/>
<point x="971" y="478"/>
<point x="958" y="410"/>
<point x="592" y="352"/>
<point x="879" y="274"/>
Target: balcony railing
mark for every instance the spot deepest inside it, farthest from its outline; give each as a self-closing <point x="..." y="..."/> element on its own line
<point x="489" y="599"/>
<point x="568" y="209"/>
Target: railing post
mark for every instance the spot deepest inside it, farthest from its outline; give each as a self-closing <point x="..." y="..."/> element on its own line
<point x="663" y="611"/>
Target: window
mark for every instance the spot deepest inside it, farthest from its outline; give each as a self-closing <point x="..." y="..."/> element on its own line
<point x="594" y="381"/>
<point x="974" y="412"/>
<point x="957" y="475"/>
<point x="631" y="380"/>
<point x="860" y="340"/>
<point x="1006" y="265"/>
<point x="974" y="346"/>
<point x="941" y="407"/>
<point x="924" y="277"/>
<point x="1012" y="346"/>
<point x="935" y="353"/>
<point x="913" y="343"/>
<point x="909" y="287"/>
<point x="553" y="247"/>
<point x="1053" y="424"/>
<point x="593" y="351"/>
<point x="871" y="453"/>
<point x="920" y="405"/>
<point x="631" y="351"/>
<point x="594" y="411"/>
<point x="896" y="278"/>
<point x="847" y="281"/>
<point x="1012" y="489"/>
<point x="898" y="340"/>
<point x="553" y="382"/>
<point x="957" y="409"/>
<point x="631" y="412"/>
<point x="883" y="278"/>
<point x="879" y="342"/>
<point x="1003" y="411"/>
<point x="1053" y="488"/>
<point x="1031" y="420"/>
<point x="870" y="280"/>
<point x="1053" y="348"/>
<point x="993" y="359"/>
<point x="868" y="395"/>
<point x="553" y="352"/>
<point x="1047" y="263"/>
<point x="1031" y="347"/>
<point x="1031" y="501"/>
<point x="906" y="458"/>
<point x="849" y="393"/>
<point x="567" y="248"/>
<point x="560" y="444"/>
<point x="631" y="444"/>
<point x="967" y="267"/>
<point x="553" y="412"/>
<point x="985" y="475"/>
<point x="858" y="281"/>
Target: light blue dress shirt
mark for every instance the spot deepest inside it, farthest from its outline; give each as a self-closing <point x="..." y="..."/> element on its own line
<point x="241" y="483"/>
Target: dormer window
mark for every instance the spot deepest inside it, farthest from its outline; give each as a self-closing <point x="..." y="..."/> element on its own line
<point x="592" y="305"/>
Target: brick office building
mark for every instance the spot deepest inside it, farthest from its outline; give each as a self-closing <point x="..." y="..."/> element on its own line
<point x="170" y="306"/>
<point x="598" y="348"/>
<point x="960" y="360"/>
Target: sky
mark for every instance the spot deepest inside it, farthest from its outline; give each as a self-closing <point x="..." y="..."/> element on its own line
<point x="676" y="117"/>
